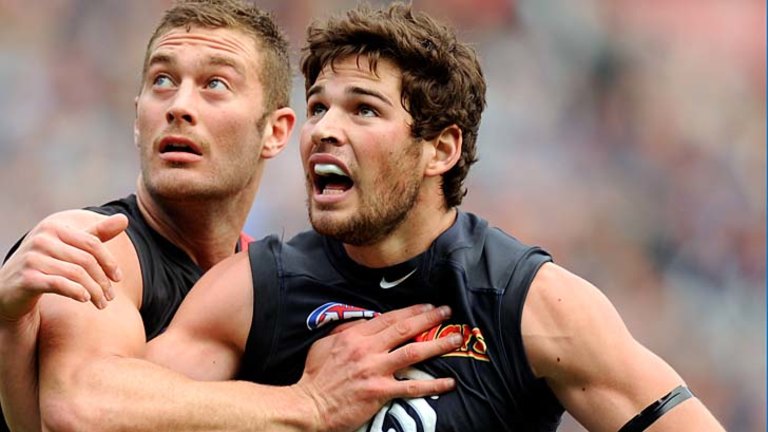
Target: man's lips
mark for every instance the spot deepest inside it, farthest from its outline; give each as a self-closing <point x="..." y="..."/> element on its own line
<point x="329" y="175"/>
<point x="177" y="144"/>
<point x="177" y="149"/>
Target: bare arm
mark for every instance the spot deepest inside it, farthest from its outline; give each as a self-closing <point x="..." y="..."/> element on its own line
<point x="348" y="376"/>
<point x="91" y="378"/>
<point x="18" y="376"/>
<point x="576" y="340"/>
<point x="57" y="258"/>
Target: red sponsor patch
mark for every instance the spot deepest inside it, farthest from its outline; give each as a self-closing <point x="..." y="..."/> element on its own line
<point x="474" y="343"/>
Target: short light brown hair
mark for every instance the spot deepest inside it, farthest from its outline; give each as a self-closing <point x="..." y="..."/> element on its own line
<point x="442" y="82"/>
<point x="275" y="72"/>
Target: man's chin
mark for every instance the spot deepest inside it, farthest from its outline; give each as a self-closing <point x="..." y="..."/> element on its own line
<point x="348" y="231"/>
<point x="178" y="191"/>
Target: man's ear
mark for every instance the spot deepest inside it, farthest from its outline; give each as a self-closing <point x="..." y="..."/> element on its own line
<point x="445" y="151"/>
<point x="277" y="132"/>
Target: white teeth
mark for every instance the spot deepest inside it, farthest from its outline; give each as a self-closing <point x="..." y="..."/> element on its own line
<point x="332" y="192"/>
<point x="328" y="169"/>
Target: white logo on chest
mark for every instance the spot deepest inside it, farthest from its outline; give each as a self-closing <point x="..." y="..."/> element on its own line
<point x="422" y="417"/>
<point x="384" y="284"/>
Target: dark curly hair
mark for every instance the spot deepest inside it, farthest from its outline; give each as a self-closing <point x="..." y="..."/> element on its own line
<point x="275" y="73"/>
<point x="442" y="81"/>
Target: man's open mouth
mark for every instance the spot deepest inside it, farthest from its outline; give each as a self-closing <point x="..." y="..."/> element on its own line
<point x="330" y="179"/>
<point x="179" y="145"/>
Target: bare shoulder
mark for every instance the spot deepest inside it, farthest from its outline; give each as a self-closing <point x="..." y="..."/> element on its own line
<point x="208" y="334"/>
<point x="565" y="314"/>
<point x="220" y="304"/>
<point x="576" y="340"/>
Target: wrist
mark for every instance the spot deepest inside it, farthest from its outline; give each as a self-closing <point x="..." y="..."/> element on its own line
<point x="308" y="409"/>
<point x="27" y="322"/>
<point x="19" y="337"/>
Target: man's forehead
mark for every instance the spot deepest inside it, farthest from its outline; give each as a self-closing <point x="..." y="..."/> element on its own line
<point x="230" y="41"/>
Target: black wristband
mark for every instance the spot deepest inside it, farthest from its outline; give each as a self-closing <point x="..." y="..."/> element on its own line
<point x="657" y="409"/>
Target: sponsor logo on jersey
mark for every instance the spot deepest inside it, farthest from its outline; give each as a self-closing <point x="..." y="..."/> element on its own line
<point x="333" y="311"/>
<point x="385" y="284"/>
<point x="407" y="414"/>
<point x="474" y="343"/>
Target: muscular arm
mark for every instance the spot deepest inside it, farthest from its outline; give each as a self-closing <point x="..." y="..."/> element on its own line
<point x="56" y="258"/>
<point x="18" y="376"/>
<point x="576" y="340"/>
<point x="91" y="380"/>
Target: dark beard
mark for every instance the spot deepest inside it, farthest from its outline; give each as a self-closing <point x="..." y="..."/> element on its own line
<point x="378" y="215"/>
<point x="374" y="221"/>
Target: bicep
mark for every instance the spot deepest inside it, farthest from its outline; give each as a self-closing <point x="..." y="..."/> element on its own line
<point x="577" y="341"/>
<point x="73" y="333"/>
<point x="207" y="336"/>
<point x="73" y="336"/>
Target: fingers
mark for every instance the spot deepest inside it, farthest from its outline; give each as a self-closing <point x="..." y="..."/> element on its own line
<point x="417" y="352"/>
<point x="422" y="388"/>
<point x="71" y="256"/>
<point x="63" y="286"/>
<point x="106" y="230"/>
<point x="387" y="320"/>
<point x="396" y="327"/>
<point x="80" y="258"/>
<point x="70" y="272"/>
<point x="399" y="330"/>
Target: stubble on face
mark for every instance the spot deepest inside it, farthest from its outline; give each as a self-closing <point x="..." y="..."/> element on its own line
<point x="383" y="206"/>
<point x="224" y="126"/>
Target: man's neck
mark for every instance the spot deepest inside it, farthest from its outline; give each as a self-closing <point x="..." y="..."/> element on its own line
<point x="207" y="231"/>
<point x="414" y="236"/>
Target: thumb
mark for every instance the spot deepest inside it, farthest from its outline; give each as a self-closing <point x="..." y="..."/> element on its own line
<point x="110" y="227"/>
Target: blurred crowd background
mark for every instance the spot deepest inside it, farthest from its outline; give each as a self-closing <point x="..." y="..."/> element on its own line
<point x="626" y="137"/>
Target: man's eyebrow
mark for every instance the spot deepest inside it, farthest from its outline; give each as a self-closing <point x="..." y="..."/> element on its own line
<point x="353" y="91"/>
<point x="217" y="60"/>
<point x="160" y="59"/>
<point x="367" y="92"/>
<point x="315" y="89"/>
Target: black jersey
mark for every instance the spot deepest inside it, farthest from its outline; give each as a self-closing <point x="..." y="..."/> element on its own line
<point x="167" y="272"/>
<point x="305" y="285"/>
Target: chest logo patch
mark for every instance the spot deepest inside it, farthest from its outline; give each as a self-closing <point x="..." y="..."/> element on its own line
<point x="333" y="311"/>
<point x="474" y="343"/>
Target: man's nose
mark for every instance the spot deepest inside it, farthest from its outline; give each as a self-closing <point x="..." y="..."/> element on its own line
<point x="328" y="129"/>
<point x="183" y="107"/>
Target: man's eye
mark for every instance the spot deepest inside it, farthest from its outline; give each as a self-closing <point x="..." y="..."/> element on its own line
<point x="366" y="111"/>
<point x="162" y="81"/>
<point x="317" y="109"/>
<point x="216" y="84"/>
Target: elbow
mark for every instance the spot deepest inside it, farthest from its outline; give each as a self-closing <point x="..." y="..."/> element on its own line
<point x="67" y="412"/>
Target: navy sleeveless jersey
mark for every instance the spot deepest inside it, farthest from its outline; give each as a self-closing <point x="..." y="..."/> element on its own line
<point x="305" y="286"/>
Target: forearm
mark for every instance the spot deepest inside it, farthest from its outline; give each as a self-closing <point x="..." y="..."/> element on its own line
<point x="131" y="394"/>
<point x="18" y="372"/>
